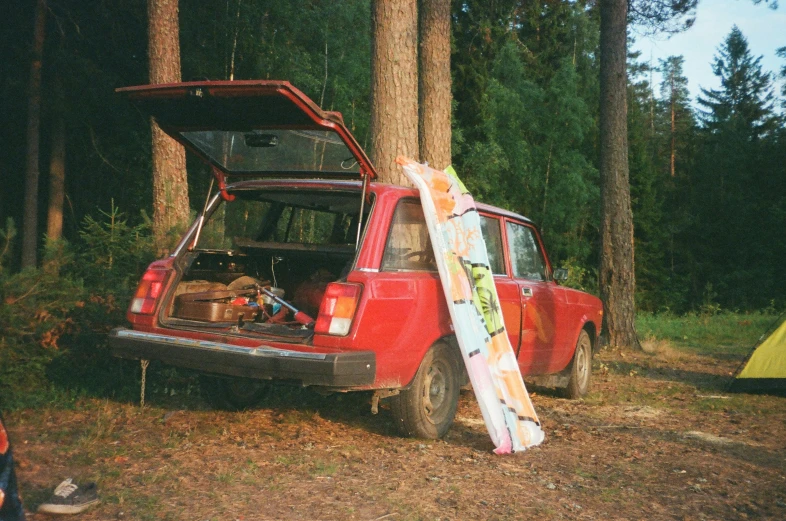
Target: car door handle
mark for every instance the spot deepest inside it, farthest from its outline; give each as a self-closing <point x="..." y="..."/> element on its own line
<point x="527" y="292"/>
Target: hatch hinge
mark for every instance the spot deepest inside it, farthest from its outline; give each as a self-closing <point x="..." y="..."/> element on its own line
<point x="221" y="180"/>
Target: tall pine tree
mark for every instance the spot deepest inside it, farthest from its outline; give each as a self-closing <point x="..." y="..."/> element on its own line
<point x="733" y="189"/>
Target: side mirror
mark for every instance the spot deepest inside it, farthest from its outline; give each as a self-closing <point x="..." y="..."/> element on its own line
<point x="561" y="274"/>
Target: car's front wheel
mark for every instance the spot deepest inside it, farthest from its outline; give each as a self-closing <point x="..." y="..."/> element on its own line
<point x="427" y="408"/>
<point x="581" y="368"/>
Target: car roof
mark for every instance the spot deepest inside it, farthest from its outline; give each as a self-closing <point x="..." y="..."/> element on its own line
<point x="332" y="184"/>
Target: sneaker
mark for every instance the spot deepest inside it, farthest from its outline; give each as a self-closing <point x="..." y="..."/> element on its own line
<point x="70" y="498"/>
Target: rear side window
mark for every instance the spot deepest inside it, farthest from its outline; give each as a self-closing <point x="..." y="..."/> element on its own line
<point x="492" y="236"/>
<point x="526" y="258"/>
<point x="408" y="247"/>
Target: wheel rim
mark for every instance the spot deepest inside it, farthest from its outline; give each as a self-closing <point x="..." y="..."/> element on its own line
<point x="583" y="362"/>
<point x="435" y="393"/>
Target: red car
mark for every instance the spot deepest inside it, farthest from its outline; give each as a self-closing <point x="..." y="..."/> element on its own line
<point x="304" y="269"/>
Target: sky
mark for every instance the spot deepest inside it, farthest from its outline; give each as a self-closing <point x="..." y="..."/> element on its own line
<point x="764" y="28"/>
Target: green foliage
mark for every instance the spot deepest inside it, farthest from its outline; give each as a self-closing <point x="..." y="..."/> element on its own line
<point x="580" y="277"/>
<point x="323" y="48"/>
<point x="531" y="160"/>
<point x="55" y="318"/>
<point x="736" y="192"/>
<point x="112" y="252"/>
<point x="34" y="308"/>
<point x="714" y="333"/>
<point x="646" y="194"/>
<point x="745" y="100"/>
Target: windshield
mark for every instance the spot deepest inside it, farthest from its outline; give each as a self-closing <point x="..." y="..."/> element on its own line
<point x="267" y="151"/>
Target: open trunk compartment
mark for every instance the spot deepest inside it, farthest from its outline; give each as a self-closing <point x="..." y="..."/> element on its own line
<point x="291" y="243"/>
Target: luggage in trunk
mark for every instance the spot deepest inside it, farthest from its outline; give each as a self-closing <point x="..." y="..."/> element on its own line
<point x="215" y="306"/>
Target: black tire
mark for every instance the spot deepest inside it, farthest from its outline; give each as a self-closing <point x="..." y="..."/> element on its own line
<point x="581" y="368"/>
<point x="427" y="408"/>
<point x="234" y="394"/>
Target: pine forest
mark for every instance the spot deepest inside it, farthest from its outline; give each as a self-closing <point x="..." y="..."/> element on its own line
<point x="707" y="175"/>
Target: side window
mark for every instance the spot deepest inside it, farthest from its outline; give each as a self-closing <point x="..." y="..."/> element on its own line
<point x="409" y="246"/>
<point x="492" y="235"/>
<point x="525" y="256"/>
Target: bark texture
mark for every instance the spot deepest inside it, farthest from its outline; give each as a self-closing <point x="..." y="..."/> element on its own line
<point x="32" y="168"/>
<point x="54" y="221"/>
<point x="617" y="279"/>
<point x="394" y="86"/>
<point x="170" y="184"/>
<point x="672" y="104"/>
<point x="435" y="96"/>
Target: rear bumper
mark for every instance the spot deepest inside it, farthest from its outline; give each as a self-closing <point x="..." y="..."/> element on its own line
<point x="348" y="369"/>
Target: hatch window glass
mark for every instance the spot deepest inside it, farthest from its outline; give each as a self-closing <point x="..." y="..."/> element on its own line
<point x="526" y="258"/>
<point x="408" y="247"/>
<point x="274" y="150"/>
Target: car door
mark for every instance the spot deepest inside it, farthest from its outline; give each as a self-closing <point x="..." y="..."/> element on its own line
<point x="539" y="300"/>
<point x="507" y="289"/>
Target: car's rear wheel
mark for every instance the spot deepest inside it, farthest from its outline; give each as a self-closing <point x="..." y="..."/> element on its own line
<point x="233" y="393"/>
<point x="581" y="368"/>
<point x="427" y="408"/>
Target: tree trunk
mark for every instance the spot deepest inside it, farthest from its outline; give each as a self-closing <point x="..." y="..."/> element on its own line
<point x="617" y="279"/>
<point x="170" y="184"/>
<point x="30" y="219"/>
<point x="434" y="92"/>
<point x="673" y="124"/>
<point x="54" y="224"/>
<point x="394" y="86"/>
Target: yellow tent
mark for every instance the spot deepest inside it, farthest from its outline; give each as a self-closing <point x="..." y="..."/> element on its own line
<point x="765" y="370"/>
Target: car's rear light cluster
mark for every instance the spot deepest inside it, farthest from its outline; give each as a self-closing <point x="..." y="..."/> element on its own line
<point x="338" y="309"/>
<point x="148" y="291"/>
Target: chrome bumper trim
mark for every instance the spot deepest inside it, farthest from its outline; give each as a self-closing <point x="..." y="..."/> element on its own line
<point x="264" y="351"/>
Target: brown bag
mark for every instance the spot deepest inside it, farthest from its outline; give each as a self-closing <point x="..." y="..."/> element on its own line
<point x="214" y="306"/>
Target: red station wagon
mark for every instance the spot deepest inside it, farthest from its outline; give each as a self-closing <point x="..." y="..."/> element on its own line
<point x="304" y="269"/>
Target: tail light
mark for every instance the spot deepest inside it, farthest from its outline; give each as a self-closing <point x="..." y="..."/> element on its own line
<point x="337" y="309"/>
<point x="148" y="291"/>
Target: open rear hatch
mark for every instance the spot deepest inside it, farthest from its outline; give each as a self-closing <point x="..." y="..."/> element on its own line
<point x="254" y="128"/>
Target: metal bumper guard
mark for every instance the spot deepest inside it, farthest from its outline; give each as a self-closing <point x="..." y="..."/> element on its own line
<point x="348" y="369"/>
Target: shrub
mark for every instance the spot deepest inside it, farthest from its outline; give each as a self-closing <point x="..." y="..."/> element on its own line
<point x="55" y="318"/>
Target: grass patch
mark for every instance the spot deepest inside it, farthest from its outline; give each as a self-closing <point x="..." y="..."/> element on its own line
<point x="288" y="461"/>
<point x="225" y="477"/>
<point x="323" y="468"/>
<point x="722" y="334"/>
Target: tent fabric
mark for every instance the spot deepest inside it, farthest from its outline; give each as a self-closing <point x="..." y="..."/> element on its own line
<point x="765" y="370"/>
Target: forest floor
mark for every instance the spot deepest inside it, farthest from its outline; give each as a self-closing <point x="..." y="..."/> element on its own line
<point x="659" y="438"/>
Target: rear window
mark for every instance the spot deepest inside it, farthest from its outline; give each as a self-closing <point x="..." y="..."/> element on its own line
<point x="252" y="220"/>
<point x="408" y="247"/>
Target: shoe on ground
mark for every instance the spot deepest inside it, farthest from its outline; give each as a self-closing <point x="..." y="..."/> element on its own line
<point x="70" y="498"/>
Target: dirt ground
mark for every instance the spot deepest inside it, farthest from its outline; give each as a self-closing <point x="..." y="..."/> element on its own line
<point x="658" y="438"/>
